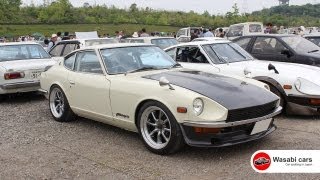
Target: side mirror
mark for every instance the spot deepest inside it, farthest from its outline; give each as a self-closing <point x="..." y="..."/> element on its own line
<point x="272" y="67"/>
<point x="164" y="82"/>
<point x="287" y="52"/>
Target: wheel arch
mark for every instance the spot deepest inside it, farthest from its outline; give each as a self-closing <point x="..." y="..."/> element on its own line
<point x="272" y="82"/>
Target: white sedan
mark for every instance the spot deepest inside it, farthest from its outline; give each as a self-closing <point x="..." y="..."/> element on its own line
<point x="161" y="42"/>
<point x="20" y="67"/>
<point x="138" y="87"/>
<point x="297" y="85"/>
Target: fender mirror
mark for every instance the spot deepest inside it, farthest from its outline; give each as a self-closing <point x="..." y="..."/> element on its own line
<point x="272" y="67"/>
<point x="164" y="82"/>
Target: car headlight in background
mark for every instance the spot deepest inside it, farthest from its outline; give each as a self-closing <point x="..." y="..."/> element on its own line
<point x="198" y="106"/>
<point x="307" y="87"/>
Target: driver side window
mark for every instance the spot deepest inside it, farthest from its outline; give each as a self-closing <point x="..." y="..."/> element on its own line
<point x="266" y="45"/>
<point x="190" y="55"/>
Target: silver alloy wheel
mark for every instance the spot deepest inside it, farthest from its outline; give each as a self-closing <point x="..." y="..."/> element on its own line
<point x="57" y="102"/>
<point x="155" y="127"/>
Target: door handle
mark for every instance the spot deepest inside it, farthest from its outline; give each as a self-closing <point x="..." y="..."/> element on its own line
<point x="72" y="82"/>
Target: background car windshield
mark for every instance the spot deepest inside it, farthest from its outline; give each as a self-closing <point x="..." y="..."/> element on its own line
<point x="226" y="53"/>
<point x="315" y="40"/>
<point x="93" y="42"/>
<point x="299" y="44"/>
<point x="122" y="60"/>
<point x="235" y="31"/>
<point x="22" y="52"/>
<point x="164" y="43"/>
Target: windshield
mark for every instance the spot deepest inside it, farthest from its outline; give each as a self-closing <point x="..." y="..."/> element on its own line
<point x="300" y="44"/>
<point x="22" y="52"/>
<point x="235" y="31"/>
<point x="164" y="43"/>
<point x="226" y="53"/>
<point x="93" y="42"/>
<point x="315" y="40"/>
<point x="126" y="59"/>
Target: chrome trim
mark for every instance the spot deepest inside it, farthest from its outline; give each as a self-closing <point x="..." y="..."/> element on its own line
<point x="42" y="91"/>
<point x="18" y="85"/>
<point x="224" y="124"/>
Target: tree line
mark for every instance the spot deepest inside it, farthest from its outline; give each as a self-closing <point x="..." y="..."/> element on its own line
<point x="62" y="12"/>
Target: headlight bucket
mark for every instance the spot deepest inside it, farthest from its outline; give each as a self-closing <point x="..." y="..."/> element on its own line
<point x="306" y="87"/>
<point x="198" y="106"/>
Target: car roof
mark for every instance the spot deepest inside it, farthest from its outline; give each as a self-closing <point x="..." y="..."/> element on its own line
<point x="117" y="45"/>
<point x="152" y="37"/>
<point x="197" y="43"/>
<point x="270" y="35"/>
<point x="246" y="23"/>
<point x="79" y="40"/>
<point x="18" y="43"/>
<point x="210" y="38"/>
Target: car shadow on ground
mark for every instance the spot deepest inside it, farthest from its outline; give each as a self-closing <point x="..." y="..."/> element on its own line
<point x="23" y="98"/>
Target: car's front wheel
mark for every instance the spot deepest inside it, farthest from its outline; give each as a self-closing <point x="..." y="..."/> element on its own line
<point x="159" y="129"/>
<point x="59" y="105"/>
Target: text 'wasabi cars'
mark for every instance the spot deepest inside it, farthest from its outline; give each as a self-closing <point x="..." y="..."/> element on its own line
<point x="140" y="88"/>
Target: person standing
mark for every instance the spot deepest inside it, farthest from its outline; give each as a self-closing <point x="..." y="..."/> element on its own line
<point x="144" y="33"/>
<point x="59" y="37"/>
<point x="52" y="42"/>
<point x="208" y="33"/>
<point x="220" y="33"/>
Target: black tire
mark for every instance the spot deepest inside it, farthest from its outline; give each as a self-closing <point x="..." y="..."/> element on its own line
<point x="67" y="114"/>
<point x="283" y="102"/>
<point x="176" y="140"/>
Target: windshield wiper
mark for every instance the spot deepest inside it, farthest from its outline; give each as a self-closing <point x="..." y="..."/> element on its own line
<point x="176" y="65"/>
<point x="141" y="69"/>
<point x="313" y="51"/>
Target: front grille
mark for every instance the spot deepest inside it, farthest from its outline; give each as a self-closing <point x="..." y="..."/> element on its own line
<point x="251" y="112"/>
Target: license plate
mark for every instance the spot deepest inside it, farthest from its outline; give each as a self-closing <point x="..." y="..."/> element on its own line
<point x="35" y="74"/>
<point x="261" y="126"/>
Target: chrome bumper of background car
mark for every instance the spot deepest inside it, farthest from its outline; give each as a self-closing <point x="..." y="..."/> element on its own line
<point x="223" y="124"/>
<point x="19" y="85"/>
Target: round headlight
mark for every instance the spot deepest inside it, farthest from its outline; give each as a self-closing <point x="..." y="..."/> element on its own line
<point x="198" y="106"/>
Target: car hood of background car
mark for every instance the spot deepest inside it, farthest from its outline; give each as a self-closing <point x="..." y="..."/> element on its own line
<point x="229" y="92"/>
<point x="20" y="65"/>
<point x="292" y="70"/>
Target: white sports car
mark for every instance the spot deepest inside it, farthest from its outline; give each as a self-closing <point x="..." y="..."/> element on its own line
<point x="138" y="87"/>
<point x="20" y="67"/>
<point x="297" y="85"/>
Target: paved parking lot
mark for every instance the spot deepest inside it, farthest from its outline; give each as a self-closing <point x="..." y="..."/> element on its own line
<point x="33" y="146"/>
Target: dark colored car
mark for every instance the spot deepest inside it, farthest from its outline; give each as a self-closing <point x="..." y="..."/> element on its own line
<point x="313" y="38"/>
<point x="261" y="161"/>
<point x="283" y="48"/>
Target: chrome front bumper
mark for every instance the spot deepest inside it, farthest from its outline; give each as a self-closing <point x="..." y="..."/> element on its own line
<point x="211" y="124"/>
<point x="19" y="85"/>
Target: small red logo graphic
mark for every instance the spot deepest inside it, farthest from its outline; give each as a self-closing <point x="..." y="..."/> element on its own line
<point x="261" y="161"/>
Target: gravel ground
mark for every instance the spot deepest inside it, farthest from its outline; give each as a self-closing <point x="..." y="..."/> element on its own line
<point x="34" y="146"/>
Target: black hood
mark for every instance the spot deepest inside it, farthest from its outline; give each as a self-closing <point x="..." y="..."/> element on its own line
<point x="229" y="92"/>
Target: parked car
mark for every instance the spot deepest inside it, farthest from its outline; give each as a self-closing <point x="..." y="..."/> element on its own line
<point x="161" y="42"/>
<point x="244" y="29"/>
<point x="138" y="87"/>
<point x="283" y="48"/>
<point x="295" y="84"/>
<point x="184" y="34"/>
<point x="208" y="39"/>
<point x="63" y="48"/>
<point x="20" y="67"/>
<point x="315" y="38"/>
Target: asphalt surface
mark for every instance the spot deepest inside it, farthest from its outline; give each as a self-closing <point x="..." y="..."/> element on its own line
<point x="34" y="146"/>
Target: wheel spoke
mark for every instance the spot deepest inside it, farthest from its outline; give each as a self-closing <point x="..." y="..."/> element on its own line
<point x="159" y="138"/>
<point x="151" y="124"/>
<point x="160" y="115"/>
<point x="165" y="121"/>
<point x="164" y="136"/>
<point x="166" y="129"/>
<point x="154" y="131"/>
<point x="154" y="117"/>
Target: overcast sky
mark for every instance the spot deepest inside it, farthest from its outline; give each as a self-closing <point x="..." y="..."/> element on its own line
<point x="213" y="6"/>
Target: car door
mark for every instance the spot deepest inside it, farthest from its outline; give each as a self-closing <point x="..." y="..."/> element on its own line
<point x="269" y="48"/>
<point x="69" y="48"/>
<point x="57" y="50"/>
<point x="89" y="87"/>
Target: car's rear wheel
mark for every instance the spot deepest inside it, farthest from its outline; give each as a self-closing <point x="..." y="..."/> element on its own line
<point x="159" y="129"/>
<point x="59" y="105"/>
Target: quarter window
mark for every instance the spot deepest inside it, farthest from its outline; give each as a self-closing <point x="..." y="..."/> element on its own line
<point x="266" y="45"/>
<point x="88" y="62"/>
<point x="191" y="55"/>
<point x="69" y="62"/>
<point x="57" y="50"/>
